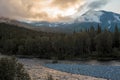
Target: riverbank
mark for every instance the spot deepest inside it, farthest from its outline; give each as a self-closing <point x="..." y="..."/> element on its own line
<point x="39" y="72"/>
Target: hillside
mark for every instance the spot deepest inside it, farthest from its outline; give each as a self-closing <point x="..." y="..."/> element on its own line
<point x="89" y="44"/>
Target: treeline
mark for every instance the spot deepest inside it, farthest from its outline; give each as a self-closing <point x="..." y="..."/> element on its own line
<point x="89" y="44"/>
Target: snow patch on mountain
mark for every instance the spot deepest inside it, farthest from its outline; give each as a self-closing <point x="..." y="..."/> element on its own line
<point x="117" y="17"/>
<point x="91" y="16"/>
<point x="109" y="22"/>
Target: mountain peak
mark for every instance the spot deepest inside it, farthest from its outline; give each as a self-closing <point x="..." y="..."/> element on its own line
<point x="99" y="16"/>
<point x="90" y="16"/>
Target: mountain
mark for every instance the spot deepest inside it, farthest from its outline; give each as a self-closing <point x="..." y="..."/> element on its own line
<point x="15" y="22"/>
<point x="107" y="20"/>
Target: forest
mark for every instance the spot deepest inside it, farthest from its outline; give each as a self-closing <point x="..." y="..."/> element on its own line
<point x="93" y="43"/>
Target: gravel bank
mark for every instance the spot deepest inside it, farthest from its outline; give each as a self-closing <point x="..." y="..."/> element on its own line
<point x="39" y="72"/>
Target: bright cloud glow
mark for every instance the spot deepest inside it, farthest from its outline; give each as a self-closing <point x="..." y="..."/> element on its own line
<point x="47" y="10"/>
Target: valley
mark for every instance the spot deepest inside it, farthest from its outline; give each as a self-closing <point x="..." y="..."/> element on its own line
<point x="59" y="40"/>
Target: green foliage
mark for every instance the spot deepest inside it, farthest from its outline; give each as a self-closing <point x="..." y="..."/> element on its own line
<point x="11" y="70"/>
<point x="92" y="43"/>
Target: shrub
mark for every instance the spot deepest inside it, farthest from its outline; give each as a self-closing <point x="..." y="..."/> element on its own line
<point x="55" y="61"/>
<point x="10" y="69"/>
<point x="50" y="77"/>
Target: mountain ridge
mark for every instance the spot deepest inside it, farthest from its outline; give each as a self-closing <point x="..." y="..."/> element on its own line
<point x="106" y="19"/>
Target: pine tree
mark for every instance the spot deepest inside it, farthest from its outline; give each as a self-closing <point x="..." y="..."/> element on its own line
<point x="116" y="38"/>
<point x="99" y="29"/>
<point x="92" y="35"/>
<point x="104" y="43"/>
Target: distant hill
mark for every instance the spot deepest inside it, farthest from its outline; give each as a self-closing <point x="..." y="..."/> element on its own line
<point x="19" y="31"/>
<point x="15" y="23"/>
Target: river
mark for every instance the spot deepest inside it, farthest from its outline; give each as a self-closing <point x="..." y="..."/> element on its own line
<point x="109" y="70"/>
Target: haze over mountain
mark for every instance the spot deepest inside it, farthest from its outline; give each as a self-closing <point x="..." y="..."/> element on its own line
<point x="53" y="10"/>
<point x="55" y="16"/>
<point x="107" y="20"/>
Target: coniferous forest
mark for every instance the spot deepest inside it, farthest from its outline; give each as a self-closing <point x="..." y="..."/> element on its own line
<point x="93" y="43"/>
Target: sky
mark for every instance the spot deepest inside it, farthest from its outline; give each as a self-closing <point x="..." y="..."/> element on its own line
<point x="113" y="5"/>
<point x="53" y="10"/>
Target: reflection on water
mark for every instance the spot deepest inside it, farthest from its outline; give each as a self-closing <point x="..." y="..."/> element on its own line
<point x="93" y="62"/>
<point x="112" y="63"/>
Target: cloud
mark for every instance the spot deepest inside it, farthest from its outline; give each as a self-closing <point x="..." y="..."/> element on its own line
<point x="64" y="4"/>
<point x="97" y="4"/>
<point x="46" y="10"/>
<point x="12" y="9"/>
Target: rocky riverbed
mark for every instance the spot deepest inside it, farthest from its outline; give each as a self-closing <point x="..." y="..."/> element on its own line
<point x="38" y="72"/>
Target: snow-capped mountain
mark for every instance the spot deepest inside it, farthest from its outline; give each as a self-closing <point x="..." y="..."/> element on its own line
<point x="90" y="16"/>
<point x="107" y="20"/>
<point x="99" y="17"/>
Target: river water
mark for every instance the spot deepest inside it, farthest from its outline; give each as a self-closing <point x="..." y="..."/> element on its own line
<point x="109" y="70"/>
